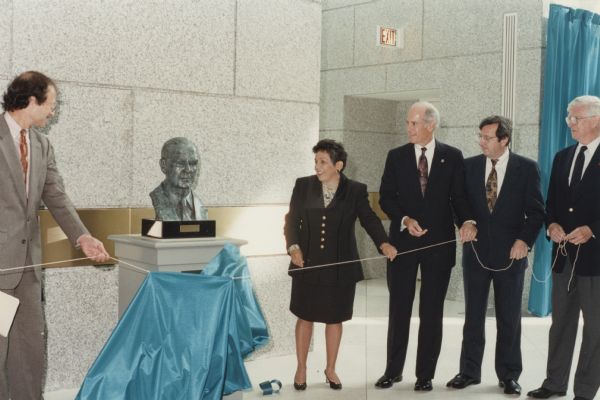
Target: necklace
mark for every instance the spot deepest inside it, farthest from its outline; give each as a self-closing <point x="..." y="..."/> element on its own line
<point x="328" y="194"/>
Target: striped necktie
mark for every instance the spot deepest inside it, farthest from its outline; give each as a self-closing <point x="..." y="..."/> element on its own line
<point x="24" y="154"/>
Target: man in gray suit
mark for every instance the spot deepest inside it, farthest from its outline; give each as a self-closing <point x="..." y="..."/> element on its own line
<point x="28" y="175"/>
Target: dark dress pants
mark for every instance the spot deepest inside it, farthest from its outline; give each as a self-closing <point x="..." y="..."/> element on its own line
<point x="508" y="291"/>
<point x="401" y="278"/>
<point x="583" y="298"/>
<point x="22" y="354"/>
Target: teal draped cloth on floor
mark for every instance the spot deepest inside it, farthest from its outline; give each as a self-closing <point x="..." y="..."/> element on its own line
<point x="184" y="336"/>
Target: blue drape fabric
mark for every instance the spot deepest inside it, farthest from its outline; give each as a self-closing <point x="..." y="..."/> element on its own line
<point x="183" y="336"/>
<point x="572" y="69"/>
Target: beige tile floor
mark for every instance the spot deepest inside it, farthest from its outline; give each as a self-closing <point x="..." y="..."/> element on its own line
<point x="362" y="358"/>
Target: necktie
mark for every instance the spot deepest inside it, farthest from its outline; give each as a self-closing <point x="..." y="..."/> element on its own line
<point x="184" y="212"/>
<point x="23" y="153"/>
<point x="491" y="187"/>
<point x="578" y="169"/>
<point x="423" y="170"/>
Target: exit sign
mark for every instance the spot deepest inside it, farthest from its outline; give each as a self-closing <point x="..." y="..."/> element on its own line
<point x="386" y="36"/>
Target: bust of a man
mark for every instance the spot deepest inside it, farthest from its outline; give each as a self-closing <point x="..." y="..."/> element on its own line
<point x="174" y="199"/>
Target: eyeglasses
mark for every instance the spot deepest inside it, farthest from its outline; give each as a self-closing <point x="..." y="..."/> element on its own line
<point x="571" y="119"/>
<point x="485" y="138"/>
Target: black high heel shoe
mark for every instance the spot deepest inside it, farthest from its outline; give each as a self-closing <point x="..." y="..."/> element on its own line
<point x="333" y="385"/>
<point x="300" y="386"/>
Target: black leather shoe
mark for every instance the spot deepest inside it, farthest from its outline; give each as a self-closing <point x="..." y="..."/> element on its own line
<point x="579" y="398"/>
<point x="423" y="385"/>
<point x="461" y="381"/>
<point x="543" y="393"/>
<point x="387" y="382"/>
<point x="510" y="386"/>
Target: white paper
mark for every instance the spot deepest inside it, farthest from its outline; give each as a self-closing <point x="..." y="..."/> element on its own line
<point x="8" y="309"/>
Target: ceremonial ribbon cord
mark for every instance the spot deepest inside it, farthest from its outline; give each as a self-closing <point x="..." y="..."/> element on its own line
<point x="560" y="249"/>
<point x="124" y="264"/>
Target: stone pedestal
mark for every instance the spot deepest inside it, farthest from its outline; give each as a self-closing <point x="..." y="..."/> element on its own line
<point x="165" y="255"/>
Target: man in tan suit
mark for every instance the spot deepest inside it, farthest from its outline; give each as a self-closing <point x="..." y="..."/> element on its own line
<point x="28" y="175"/>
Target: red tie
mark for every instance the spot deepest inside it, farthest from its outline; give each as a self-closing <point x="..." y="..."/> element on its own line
<point x="23" y="151"/>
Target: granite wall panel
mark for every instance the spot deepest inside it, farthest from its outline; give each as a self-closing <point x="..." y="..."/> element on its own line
<point x="81" y="312"/>
<point x="91" y="135"/>
<point x="278" y="57"/>
<point x="338" y="83"/>
<point x="337" y="38"/>
<point x="185" y="45"/>
<point x="5" y="38"/>
<point x="461" y="27"/>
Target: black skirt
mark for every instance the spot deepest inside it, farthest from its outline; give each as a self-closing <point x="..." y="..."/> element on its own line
<point x="326" y="304"/>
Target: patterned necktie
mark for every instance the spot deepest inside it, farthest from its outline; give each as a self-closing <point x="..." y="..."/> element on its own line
<point x="491" y="187"/>
<point x="24" y="153"/>
<point x="423" y="170"/>
<point x="578" y="169"/>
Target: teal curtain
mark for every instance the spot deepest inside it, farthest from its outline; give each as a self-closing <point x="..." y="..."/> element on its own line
<point x="572" y="69"/>
<point x="184" y="336"/>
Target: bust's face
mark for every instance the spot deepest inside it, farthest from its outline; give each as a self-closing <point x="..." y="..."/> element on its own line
<point x="181" y="167"/>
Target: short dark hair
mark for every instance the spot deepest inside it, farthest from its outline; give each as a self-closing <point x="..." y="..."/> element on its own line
<point x="335" y="150"/>
<point x="504" y="126"/>
<point x="27" y="84"/>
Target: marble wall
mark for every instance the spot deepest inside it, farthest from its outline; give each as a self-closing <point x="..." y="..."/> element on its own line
<point x="452" y="56"/>
<point x="241" y="78"/>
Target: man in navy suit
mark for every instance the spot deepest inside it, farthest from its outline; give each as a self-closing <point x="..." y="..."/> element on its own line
<point x="422" y="189"/>
<point x="504" y="192"/>
<point x="573" y="220"/>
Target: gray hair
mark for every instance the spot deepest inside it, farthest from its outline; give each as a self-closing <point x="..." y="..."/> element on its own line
<point x="431" y="113"/>
<point x="591" y="103"/>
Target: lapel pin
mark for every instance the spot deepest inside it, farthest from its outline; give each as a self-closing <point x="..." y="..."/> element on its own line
<point x="442" y="161"/>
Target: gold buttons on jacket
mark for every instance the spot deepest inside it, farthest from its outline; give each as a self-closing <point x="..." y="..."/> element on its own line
<point x="323" y="217"/>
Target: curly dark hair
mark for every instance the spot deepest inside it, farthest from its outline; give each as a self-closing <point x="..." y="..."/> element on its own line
<point x="27" y="84"/>
<point x="504" y="126"/>
<point x="335" y="150"/>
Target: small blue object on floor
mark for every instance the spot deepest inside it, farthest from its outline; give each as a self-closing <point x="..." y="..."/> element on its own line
<point x="267" y="387"/>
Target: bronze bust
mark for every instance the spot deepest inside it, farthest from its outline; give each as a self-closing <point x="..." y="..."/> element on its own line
<point x="174" y="199"/>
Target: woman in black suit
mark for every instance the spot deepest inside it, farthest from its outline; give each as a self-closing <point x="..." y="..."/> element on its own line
<point x="319" y="229"/>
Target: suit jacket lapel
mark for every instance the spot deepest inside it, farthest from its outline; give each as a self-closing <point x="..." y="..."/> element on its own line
<point x="438" y="162"/>
<point x="411" y="168"/>
<point x="481" y="179"/>
<point x="512" y="171"/>
<point x="7" y="146"/>
<point x="592" y="168"/>
<point x="35" y="162"/>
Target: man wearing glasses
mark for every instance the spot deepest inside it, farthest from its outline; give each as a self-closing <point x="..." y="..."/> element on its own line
<point x="573" y="221"/>
<point x="503" y="189"/>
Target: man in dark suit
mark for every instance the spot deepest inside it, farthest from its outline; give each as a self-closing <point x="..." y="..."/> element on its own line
<point x="28" y="174"/>
<point x="573" y="220"/>
<point x="422" y="188"/>
<point x="503" y="189"/>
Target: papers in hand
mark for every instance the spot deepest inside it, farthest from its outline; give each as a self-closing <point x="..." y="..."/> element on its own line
<point x="8" y="309"/>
